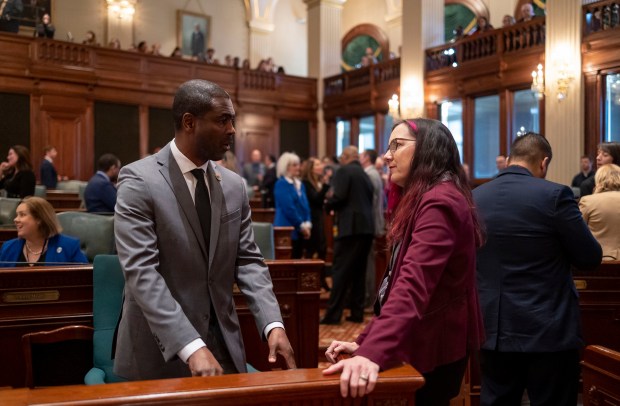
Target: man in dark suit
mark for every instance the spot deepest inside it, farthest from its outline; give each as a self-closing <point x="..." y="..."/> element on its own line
<point x="269" y="180"/>
<point x="49" y="176"/>
<point x="535" y="233"/>
<point x="100" y="192"/>
<point x="10" y="12"/>
<point x="351" y="199"/>
<point x="585" y="172"/>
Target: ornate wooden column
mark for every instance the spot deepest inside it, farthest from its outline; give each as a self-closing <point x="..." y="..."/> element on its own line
<point x="324" y="53"/>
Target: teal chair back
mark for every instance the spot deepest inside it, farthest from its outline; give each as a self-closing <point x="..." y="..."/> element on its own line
<point x="7" y="210"/>
<point x="81" y="189"/>
<point x="95" y="231"/>
<point x="263" y="236"/>
<point x="70" y="185"/>
<point x="108" y="285"/>
<point x="40" y="191"/>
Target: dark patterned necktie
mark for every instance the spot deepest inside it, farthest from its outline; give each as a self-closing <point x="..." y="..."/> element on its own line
<point x="203" y="205"/>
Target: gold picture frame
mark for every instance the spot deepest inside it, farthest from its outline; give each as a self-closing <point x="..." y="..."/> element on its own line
<point x="187" y="40"/>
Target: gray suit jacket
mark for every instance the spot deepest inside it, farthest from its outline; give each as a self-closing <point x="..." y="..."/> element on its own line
<point x="168" y="282"/>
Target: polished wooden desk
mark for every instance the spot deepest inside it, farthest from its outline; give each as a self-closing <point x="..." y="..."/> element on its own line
<point x="60" y="199"/>
<point x="45" y="298"/>
<point x="600" y="370"/>
<point x="282" y="238"/>
<point x="297" y="387"/>
<point x="263" y="215"/>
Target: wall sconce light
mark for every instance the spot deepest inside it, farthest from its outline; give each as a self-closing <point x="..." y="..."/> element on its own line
<point x="538" y="82"/>
<point x="564" y="77"/>
<point x="122" y="9"/>
<point x="393" y="105"/>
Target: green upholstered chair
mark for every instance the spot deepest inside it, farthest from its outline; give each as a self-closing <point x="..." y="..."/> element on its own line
<point x="70" y="185"/>
<point x="108" y="285"/>
<point x="95" y="231"/>
<point x="263" y="236"/>
<point x="7" y="210"/>
<point x="40" y="191"/>
<point x="81" y="189"/>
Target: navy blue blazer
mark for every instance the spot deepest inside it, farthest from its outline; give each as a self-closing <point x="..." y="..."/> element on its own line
<point x="292" y="209"/>
<point x="49" y="176"/>
<point x="60" y="248"/>
<point x="100" y="194"/>
<point x="535" y="233"/>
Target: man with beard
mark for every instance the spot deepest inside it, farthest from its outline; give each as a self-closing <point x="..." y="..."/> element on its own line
<point x="100" y="192"/>
<point x="184" y="238"/>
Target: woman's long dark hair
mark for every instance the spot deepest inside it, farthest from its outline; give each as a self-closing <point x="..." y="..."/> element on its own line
<point x="23" y="158"/>
<point x="436" y="159"/>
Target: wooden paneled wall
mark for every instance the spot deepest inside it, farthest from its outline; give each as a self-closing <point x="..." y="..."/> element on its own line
<point x="64" y="82"/>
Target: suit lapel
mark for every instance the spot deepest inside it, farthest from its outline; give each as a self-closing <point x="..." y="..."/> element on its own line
<point x="217" y="195"/>
<point x="172" y="173"/>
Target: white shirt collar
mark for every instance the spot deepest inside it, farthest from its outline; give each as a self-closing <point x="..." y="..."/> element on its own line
<point x="185" y="164"/>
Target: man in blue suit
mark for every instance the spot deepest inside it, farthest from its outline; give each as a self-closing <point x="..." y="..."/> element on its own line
<point x="100" y="193"/>
<point x="535" y="233"/>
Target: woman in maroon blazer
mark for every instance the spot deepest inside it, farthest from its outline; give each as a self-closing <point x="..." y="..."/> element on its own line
<point x="427" y="310"/>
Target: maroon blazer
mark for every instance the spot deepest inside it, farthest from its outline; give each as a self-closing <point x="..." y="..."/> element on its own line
<point x="430" y="314"/>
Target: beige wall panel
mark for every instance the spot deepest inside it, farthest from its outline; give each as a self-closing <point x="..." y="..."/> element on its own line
<point x="290" y="37"/>
<point x="357" y="12"/>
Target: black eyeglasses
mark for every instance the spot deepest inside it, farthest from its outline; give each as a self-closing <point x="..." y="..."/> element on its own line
<point x="396" y="142"/>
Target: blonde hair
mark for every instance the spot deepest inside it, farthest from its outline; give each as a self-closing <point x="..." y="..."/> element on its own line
<point x="42" y="211"/>
<point x="607" y="178"/>
<point x="284" y="161"/>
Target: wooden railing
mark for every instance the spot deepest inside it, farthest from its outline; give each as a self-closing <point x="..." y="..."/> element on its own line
<point x="600" y="370"/>
<point x="64" y="53"/>
<point x="293" y="388"/>
<point x="106" y="67"/>
<point x="511" y="39"/>
<point x="601" y="16"/>
<point x="368" y="76"/>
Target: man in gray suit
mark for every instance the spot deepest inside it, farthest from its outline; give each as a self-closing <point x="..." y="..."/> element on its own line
<point x="178" y="315"/>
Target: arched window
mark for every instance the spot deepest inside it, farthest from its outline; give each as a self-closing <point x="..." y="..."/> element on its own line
<point x="356" y="42"/>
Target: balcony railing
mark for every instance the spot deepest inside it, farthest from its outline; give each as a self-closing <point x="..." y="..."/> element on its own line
<point x="601" y="16"/>
<point x="507" y="40"/>
<point x="372" y="75"/>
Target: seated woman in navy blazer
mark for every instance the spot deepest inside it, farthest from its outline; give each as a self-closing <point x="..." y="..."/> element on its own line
<point x="38" y="238"/>
<point x="292" y="208"/>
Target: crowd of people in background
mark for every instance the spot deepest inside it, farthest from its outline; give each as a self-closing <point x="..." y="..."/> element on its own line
<point x="443" y="268"/>
<point x="483" y="25"/>
<point x="199" y="51"/>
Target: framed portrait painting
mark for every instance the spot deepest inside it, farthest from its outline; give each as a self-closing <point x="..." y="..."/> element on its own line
<point x="193" y="33"/>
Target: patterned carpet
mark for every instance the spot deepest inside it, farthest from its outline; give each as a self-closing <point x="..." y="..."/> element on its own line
<point x="346" y="331"/>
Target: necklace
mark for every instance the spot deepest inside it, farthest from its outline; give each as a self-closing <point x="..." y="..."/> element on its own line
<point x="33" y="252"/>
